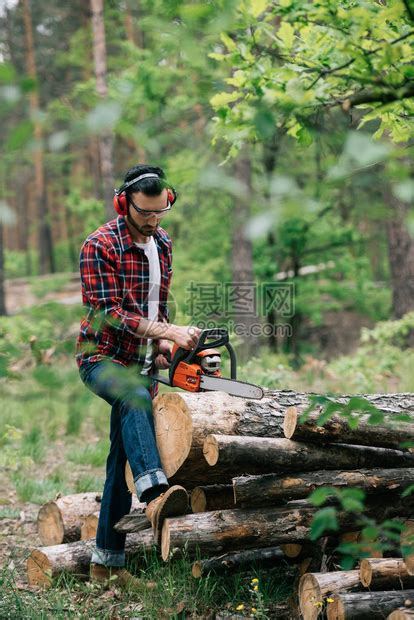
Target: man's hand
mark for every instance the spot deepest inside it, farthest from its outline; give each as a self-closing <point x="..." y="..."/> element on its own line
<point x="163" y="357"/>
<point x="185" y="337"/>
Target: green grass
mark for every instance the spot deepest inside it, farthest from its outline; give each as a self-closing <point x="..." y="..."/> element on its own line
<point x="176" y="595"/>
<point x="88" y="483"/>
<point x="94" y="455"/>
<point x="36" y="490"/>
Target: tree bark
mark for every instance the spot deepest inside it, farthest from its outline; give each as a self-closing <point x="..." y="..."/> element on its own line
<point x="60" y="521"/>
<point x="219" y="413"/>
<point x="238" y="561"/>
<point x="3" y="310"/>
<point x="242" y="260"/>
<point x="213" y="497"/>
<point x="389" y="572"/>
<point x="254" y="454"/>
<point x="45" y="245"/>
<point x="388" y="435"/>
<point x="314" y="587"/>
<point x="213" y="533"/>
<point x="46" y="563"/>
<point x="270" y="489"/>
<point x="367" y="605"/>
<point x="400" y="255"/>
<point x="106" y="138"/>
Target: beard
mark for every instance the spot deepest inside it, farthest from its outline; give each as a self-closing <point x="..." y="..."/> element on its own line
<point x="146" y="229"/>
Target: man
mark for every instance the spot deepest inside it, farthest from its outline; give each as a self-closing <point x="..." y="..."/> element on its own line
<point x="125" y="268"/>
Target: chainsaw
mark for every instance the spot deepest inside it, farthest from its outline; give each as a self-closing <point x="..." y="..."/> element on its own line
<point x="199" y="370"/>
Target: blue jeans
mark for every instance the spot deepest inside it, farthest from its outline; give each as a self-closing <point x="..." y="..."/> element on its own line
<point x="132" y="437"/>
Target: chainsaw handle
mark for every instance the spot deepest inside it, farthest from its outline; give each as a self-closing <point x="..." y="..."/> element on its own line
<point x="222" y="335"/>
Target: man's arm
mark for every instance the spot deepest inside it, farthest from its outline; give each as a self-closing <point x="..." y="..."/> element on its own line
<point x="102" y="288"/>
<point x="185" y="337"/>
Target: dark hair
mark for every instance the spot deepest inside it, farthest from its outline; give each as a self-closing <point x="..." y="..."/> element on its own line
<point x="149" y="187"/>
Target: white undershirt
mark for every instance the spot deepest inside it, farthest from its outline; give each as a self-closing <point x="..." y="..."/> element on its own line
<point x="151" y="253"/>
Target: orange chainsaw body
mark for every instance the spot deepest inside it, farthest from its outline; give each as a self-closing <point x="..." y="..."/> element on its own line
<point x="187" y="376"/>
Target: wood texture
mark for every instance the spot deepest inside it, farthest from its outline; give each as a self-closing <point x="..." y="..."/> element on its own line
<point x="314" y="587"/>
<point x="390" y="434"/>
<point x="270" y="489"/>
<point x="367" y="605"/>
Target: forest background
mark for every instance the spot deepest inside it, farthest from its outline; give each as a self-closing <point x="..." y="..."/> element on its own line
<point x="287" y="129"/>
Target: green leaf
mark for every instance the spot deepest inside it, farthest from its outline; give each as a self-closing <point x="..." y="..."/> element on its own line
<point x="377" y="417"/>
<point x="257" y="7"/>
<point x="324" y="519"/>
<point x="319" y="496"/>
<point x="350" y="504"/>
<point x="223" y="99"/>
<point x="286" y="34"/>
<point x="408" y="491"/>
<point x="7" y="73"/>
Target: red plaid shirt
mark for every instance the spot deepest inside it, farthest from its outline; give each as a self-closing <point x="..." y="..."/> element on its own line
<point x="115" y="284"/>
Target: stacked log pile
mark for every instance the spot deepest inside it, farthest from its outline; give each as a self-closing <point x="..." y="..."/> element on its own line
<point x="250" y="467"/>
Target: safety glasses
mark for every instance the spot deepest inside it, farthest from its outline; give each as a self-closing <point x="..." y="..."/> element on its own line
<point x="159" y="213"/>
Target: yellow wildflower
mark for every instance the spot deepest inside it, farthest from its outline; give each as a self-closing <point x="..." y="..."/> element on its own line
<point x="255" y="580"/>
<point x="240" y="607"/>
<point x="329" y="600"/>
<point x="254" y="610"/>
<point x="318" y="604"/>
<point x="255" y="588"/>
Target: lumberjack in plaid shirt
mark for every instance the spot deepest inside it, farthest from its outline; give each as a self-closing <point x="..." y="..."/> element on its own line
<point x="124" y="287"/>
<point x="115" y="289"/>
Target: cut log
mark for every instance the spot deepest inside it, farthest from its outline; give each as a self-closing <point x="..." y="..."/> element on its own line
<point x="46" y="563"/>
<point x="241" y="560"/>
<point x="407" y="546"/>
<point x="392" y="571"/>
<point x="401" y="614"/>
<point x="273" y="488"/>
<point x="173" y="429"/>
<point x="367" y="605"/>
<point x="214" y="497"/>
<point x="270" y="455"/>
<point x="60" y="521"/>
<point x="314" y="587"/>
<point x="133" y="522"/>
<point x="214" y="533"/>
<point x="220" y="413"/>
<point x="89" y="526"/>
<point x="387" y="435"/>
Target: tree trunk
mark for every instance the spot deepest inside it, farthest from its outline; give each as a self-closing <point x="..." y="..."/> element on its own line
<point x="60" y="521"/>
<point x="106" y="138"/>
<point x="253" y="454"/>
<point x="271" y="489"/>
<point x="46" y="262"/>
<point x="388" y="435"/>
<point x="400" y="255"/>
<point x="45" y="563"/>
<point x="314" y="587"/>
<point x="407" y="546"/>
<point x="3" y="310"/>
<point x="389" y="572"/>
<point x="213" y="497"/>
<point x="401" y="614"/>
<point x="218" y="413"/>
<point x="238" y="561"/>
<point x="367" y="605"/>
<point x="213" y="533"/>
<point x="243" y="306"/>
